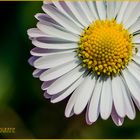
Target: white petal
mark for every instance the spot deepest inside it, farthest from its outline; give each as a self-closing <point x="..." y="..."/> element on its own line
<point x="52" y="23"/>
<point x="86" y="10"/>
<point x="133" y="85"/>
<point x="138" y="52"/>
<point x="60" y="18"/>
<point x="136" y="102"/>
<point x="50" y="45"/>
<point x="32" y="59"/>
<point x="93" y="108"/>
<point x="45" y="18"/>
<point x="131" y="6"/>
<point x="79" y="14"/>
<point x="133" y="17"/>
<point x="46" y="84"/>
<point x="135" y="70"/>
<point x="136" y="58"/>
<point x="56" y="32"/>
<point x="137" y="46"/>
<point x="53" y="60"/>
<point x="116" y="119"/>
<point x="61" y="5"/>
<point x="60" y="8"/>
<point x="136" y="38"/>
<point x="101" y="9"/>
<point x="118" y="98"/>
<point x="45" y="52"/>
<point x="85" y="91"/>
<point x="92" y="8"/>
<point x="52" y="39"/>
<point x="106" y="99"/>
<point x="58" y="71"/>
<point x="68" y="91"/>
<point x="129" y="106"/>
<point x="46" y="95"/>
<point x="65" y="81"/>
<point x="135" y="27"/>
<point x="117" y="7"/>
<point x="87" y="118"/>
<point x="122" y="11"/>
<point x="70" y="105"/>
<point x="37" y="73"/>
<point x="34" y="32"/>
<point x="110" y="9"/>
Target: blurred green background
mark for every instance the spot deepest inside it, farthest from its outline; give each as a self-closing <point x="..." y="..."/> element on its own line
<point x="22" y="104"/>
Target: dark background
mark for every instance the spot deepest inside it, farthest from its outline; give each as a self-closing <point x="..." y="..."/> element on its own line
<point x="22" y="105"/>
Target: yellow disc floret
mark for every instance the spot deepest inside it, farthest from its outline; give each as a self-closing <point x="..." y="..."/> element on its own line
<point x="105" y="47"/>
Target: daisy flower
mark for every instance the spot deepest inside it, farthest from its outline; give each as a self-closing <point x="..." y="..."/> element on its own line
<point x="89" y="51"/>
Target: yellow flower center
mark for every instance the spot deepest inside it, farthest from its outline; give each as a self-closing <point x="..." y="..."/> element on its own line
<point x="105" y="47"/>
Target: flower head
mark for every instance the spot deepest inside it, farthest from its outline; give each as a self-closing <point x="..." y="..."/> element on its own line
<point x="89" y="51"/>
